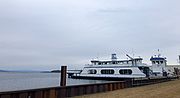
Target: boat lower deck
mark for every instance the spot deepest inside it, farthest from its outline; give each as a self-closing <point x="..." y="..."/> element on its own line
<point x="101" y="78"/>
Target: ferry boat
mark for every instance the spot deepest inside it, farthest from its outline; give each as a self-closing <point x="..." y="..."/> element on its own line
<point x="114" y="69"/>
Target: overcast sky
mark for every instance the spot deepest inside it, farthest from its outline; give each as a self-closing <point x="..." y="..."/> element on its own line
<point x="44" y="34"/>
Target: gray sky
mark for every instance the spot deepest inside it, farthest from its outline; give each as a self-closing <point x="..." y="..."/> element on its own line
<point x="44" y="34"/>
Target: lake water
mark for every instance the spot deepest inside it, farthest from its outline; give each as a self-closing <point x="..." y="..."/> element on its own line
<point x="11" y="81"/>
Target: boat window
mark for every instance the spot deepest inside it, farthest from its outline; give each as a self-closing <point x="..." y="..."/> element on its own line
<point x="121" y="62"/>
<point x="94" y="63"/>
<point x="125" y="71"/>
<point x="138" y="61"/>
<point x="157" y="62"/>
<point x="99" y="63"/>
<point x="153" y="62"/>
<point x="161" y="62"/>
<point x="107" y="71"/>
<point x="92" y="71"/>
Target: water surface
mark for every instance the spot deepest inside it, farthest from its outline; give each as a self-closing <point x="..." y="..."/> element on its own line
<point x="11" y="81"/>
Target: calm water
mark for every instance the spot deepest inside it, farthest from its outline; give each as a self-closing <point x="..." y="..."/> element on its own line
<point x="22" y="81"/>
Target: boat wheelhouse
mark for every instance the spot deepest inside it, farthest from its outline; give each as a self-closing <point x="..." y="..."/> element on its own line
<point x="159" y="66"/>
<point x="114" y="69"/>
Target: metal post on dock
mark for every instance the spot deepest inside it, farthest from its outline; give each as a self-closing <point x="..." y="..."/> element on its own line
<point x="63" y="75"/>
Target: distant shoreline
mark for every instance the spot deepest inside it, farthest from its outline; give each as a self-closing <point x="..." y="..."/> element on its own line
<point x="24" y="71"/>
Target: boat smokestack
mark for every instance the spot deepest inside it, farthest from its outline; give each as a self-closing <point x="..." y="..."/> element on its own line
<point x="179" y="59"/>
<point x="113" y="57"/>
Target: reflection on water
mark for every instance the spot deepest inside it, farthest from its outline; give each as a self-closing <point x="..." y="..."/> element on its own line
<point x="10" y="81"/>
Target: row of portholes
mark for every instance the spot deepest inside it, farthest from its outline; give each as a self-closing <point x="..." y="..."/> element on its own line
<point x="111" y="71"/>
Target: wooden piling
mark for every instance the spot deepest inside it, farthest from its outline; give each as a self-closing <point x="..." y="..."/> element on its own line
<point x="63" y="75"/>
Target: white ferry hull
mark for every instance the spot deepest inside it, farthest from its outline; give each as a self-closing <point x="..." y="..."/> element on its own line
<point x="136" y="73"/>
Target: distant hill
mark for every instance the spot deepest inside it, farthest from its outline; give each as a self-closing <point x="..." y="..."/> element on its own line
<point x="31" y="71"/>
<point x="3" y="71"/>
<point x="55" y="71"/>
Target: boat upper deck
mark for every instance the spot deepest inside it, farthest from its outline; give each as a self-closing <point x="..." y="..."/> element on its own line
<point x="117" y="62"/>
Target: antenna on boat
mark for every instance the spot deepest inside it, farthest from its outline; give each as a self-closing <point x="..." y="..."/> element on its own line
<point x="159" y="53"/>
<point x="113" y="57"/>
<point x="179" y="58"/>
<point x="129" y="56"/>
<point x="133" y="61"/>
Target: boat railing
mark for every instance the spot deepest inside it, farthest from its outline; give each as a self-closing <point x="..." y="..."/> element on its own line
<point x="88" y="65"/>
